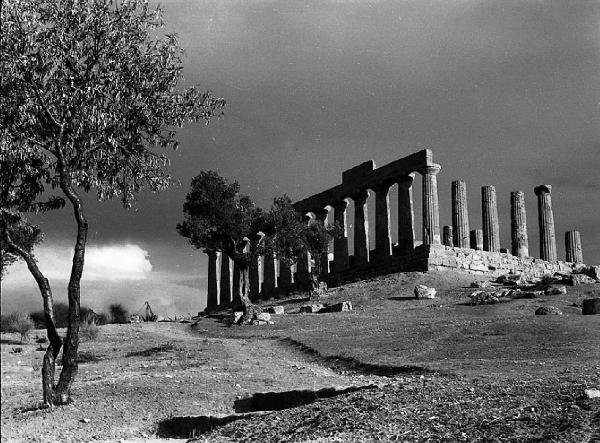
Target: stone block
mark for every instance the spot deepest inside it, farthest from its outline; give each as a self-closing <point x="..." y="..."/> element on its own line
<point x="422" y="291"/>
<point x="312" y="309"/>
<point x="340" y="307"/>
<point x="591" y="306"/>
<point x="593" y="272"/>
<point x="277" y="310"/>
<point x="263" y="316"/>
<point x="481" y="284"/>
<point x="580" y="279"/>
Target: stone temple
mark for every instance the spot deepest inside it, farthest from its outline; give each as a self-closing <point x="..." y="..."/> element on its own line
<point x="452" y="248"/>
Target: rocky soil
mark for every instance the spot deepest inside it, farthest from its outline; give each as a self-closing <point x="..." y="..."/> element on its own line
<point x="420" y="370"/>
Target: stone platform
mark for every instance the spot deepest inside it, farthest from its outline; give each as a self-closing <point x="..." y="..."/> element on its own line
<point x="445" y="258"/>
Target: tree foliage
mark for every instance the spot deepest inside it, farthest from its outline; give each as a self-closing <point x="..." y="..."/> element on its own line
<point x="88" y="103"/>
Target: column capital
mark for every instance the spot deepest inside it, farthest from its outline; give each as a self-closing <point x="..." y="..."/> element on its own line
<point x="406" y="181"/>
<point x="542" y="189"/>
<point x="360" y="196"/>
<point x="384" y="186"/>
<point x="210" y="252"/>
<point x="339" y="205"/>
<point x="432" y="169"/>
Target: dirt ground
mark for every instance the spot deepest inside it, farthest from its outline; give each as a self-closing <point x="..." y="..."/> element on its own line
<point x="145" y="381"/>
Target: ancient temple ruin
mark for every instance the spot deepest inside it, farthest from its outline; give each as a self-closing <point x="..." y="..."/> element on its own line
<point x="454" y="248"/>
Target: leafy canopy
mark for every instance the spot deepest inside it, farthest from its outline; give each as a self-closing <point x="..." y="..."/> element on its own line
<point x="216" y="216"/>
<point x="88" y="89"/>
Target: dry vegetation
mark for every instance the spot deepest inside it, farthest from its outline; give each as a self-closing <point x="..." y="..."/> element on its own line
<point x="429" y="370"/>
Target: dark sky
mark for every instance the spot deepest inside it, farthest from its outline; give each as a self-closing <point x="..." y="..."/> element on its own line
<point x="504" y="93"/>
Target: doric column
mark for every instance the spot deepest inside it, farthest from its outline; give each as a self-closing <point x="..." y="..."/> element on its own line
<point x="225" y="290"/>
<point x="254" y="272"/>
<point x="476" y="239"/>
<point x="431" y="210"/>
<point x="491" y="229"/>
<point x="340" y="244"/>
<point x="285" y="277"/>
<point x="383" y="236"/>
<point x="321" y="217"/>
<point x="573" y="247"/>
<point x="460" y="214"/>
<point x="361" y="228"/>
<point x="235" y="287"/>
<point x="212" y="293"/>
<point x="303" y="269"/>
<point x="546" y="223"/>
<point x="269" y="276"/>
<point x="406" y="215"/>
<point x="447" y="239"/>
<point x="518" y="225"/>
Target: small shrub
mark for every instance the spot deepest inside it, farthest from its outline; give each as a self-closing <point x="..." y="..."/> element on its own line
<point x="41" y="339"/>
<point x="18" y="322"/>
<point x="88" y="331"/>
<point x="61" y="316"/>
<point x="118" y="314"/>
<point x="101" y="319"/>
<point x="16" y="350"/>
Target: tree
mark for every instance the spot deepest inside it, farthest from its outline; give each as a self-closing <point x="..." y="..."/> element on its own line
<point x="88" y="102"/>
<point x="291" y="236"/>
<point x="218" y="218"/>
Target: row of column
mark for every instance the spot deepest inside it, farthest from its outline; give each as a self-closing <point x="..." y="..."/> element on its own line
<point x="488" y="238"/>
<point x="383" y="237"/>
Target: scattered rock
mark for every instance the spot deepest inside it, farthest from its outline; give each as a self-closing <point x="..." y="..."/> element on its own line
<point x="484" y="298"/>
<point x="591" y="306"/>
<point x="235" y="317"/>
<point x="311" y="309"/>
<point x="278" y="310"/>
<point x="511" y="279"/>
<point x="481" y="284"/>
<point x="556" y="291"/>
<point x="548" y="310"/>
<point x="85" y="420"/>
<point x="579" y="279"/>
<point x="422" y="291"/>
<point x="340" y="307"/>
<point x="262" y="316"/>
<point x="592" y="393"/>
<point x="592" y="271"/>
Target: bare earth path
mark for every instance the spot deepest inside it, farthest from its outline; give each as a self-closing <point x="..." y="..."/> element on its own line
<point x="437" y="370"/>
<point x="124" y="397"/>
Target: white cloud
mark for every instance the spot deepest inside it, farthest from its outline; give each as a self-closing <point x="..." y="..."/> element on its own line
<point x="102" y="263"/>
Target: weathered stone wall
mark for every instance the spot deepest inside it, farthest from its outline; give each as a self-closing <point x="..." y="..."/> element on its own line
<point x="492" y="263"/>
<point x="444" y="258"/>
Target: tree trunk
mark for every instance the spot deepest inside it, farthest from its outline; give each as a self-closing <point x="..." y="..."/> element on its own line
<point x="250" y="309"/>
<point x="55" y="342"/>
<point x="71" y="344"/>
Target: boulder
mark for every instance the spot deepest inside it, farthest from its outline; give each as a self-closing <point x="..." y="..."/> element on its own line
<point x="591" y="306"/>
<point x="311" y="309"/>
<point x="525" y="294"/>
<point x="511" y="279"/>
<point x="263" y="316"/>
<point x="556" y="291"/>
<point x="593" y="272"/>
<point x="278" y="310"/>
<point x="235" y="317"/>
<point x="579" y="279"/>
<point x="481" y="284"/>
<point x="422" y="291"/>
<point x="484" y="298"/>
<point x="592" y="393"/>
<point x="548" y="310"/>
<point x="340" y="307"/>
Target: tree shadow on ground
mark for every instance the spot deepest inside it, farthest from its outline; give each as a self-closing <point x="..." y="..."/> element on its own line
<point x="10" y="341"/>
<point x="192" y="426"/>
